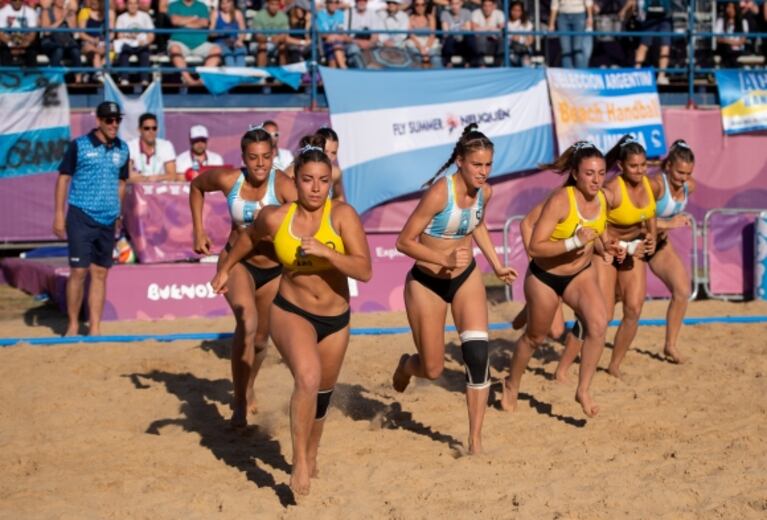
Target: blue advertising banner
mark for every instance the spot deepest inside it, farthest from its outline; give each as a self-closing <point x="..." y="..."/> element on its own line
<point x="34" y="127"/>
<point x="743" y="100"/>
<point x="601" y="106"/>
<point x="396" y="129"/>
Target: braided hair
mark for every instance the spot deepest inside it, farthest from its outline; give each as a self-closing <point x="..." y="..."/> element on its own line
<point x="570" y="160"/>
<point x="312" y="149"/>
<point x="255" y="134"/>
<point x="471" y="139"/>
<point x="679" y="151"/>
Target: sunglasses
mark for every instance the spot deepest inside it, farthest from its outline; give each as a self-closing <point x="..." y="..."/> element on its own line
<point x="113" y="120"/>
<point x="149" y="128"/>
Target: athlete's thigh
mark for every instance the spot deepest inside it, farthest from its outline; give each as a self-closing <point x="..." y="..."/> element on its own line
<point x="332" y="350"/>
<point x="264" y="298"/>
<point x="296" y="341"/>
<point x="633" y="283"/>
<point x="426" y="313"/>
<point x="469" y="305"/>
<point x="542" y="303"/>
<point x="585" y="298"/>
<point x="241" y="291"/>
<point x="667" y="266"/>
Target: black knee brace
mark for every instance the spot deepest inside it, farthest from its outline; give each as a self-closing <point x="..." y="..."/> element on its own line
<point x="579" y="329"/>
<point x="476" y="359"/>
<point x="323" y="402"/>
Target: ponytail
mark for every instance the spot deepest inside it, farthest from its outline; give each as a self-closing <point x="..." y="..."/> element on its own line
<point x="312" y="149"/>
<point x="471" y="139"/>
<point x="625" y="147"/>
<point x="570" y="160"/>
<point x="679" y="151"/>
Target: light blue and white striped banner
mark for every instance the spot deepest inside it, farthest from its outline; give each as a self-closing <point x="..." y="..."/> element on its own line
<point x="397" y="128"/>
<point x="34" y="121"/>
<point x="132" y="107"/>
<point x="219" y="80"/>
<point x="601" y="106"/>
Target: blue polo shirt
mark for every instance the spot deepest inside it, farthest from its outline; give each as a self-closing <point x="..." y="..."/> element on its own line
<point x="96" y="169"/>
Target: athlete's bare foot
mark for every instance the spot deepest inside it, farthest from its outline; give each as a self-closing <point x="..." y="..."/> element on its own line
<point x="94" y="331"/>
<point x="314" y="469"/>
<point x="509" y="397"/>
<point x="252" y="405"/>
<point x="72" y="330"/>
<point x="615" y="372"/>
<point x="475" y="446"/>
<point x="299" y="479"/>
<point x="562" y="377"/>
<point x="673" y="355"/>
<point x="400" y="379"/>
<point x="589" y="407"/>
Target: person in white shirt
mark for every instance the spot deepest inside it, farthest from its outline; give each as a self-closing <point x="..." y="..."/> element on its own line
<point x="16" y="15"/>
<point x="392" y="19"/>
<point x="284" y="157"/>
<point x="361" y="17"/>
<point x="573" y="15"/>
<point x="190" y="163"/>
<point x="520" y="45"/>
<point x="134" y="44"/>
<point x="151" y="158"/>
<point x="488" y="19"/>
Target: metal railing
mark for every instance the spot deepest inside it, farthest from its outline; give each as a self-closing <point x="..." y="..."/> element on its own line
<point x="692" y="36"/>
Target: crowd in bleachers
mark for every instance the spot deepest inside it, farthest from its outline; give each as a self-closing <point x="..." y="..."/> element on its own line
<point x="432" y="33"/>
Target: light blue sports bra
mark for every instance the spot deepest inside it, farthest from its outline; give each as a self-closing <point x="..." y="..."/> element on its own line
<point x="244" y="212"/>
<point x="454" y="222"/>
<point x="666" y="206"/>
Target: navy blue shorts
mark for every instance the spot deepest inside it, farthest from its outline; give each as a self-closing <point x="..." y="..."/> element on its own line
<point x="657" y="24"/>
<point x="89" y="241"/>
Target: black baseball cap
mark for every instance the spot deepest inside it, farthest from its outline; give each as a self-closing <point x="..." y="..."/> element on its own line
<point x="108" y="109"/>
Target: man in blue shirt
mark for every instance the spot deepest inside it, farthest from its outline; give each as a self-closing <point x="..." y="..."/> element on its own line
<point x="334" y="45"/>
<point x="96" y="167"/>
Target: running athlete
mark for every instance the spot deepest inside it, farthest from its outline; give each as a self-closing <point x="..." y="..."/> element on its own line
<point x="319" y="242"/>
<point x="571" y="226"/>
<point x="438" y="236"/>
<point x="672" y="189"/>
<point x="631" y="221"/>
<point x="253" y="281"/>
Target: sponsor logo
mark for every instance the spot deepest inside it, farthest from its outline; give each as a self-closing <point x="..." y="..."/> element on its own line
<point x="449" y="122"/>
<point x="156" y="292"/>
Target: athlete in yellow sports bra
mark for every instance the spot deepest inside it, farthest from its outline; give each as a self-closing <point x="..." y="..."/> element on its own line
<point x="633" y="224"/>
<point x="570" y="228"/>
<point x="320" y="243"/>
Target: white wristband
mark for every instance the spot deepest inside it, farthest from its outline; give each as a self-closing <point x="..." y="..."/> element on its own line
<point x="630" y="247"/>
<point x="573" y="243"/>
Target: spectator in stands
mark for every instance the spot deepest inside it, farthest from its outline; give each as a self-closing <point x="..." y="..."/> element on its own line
<point x="749" y="11"/>
<point x="425" y="49"/>
<point x="151" y="158"/>
<point x="486" y="20"/>
<point x="298" y="46"/>
<point x="270" y="47"/>
<point x="58" y="45"/>
<point x="655" y="16"/>
<point x="191" y="14"/>
<point x="122" y="5"/>
<point x="520" y="45"/>
<point x="93" y="35"/>
<point x="573" y="15"/>
<point x="16" y="15"/>
<point x="392" y="19"/>
<point x="609" y="16"/>
<point x="191" y="162"/>
<point x="137" y="44"/>
<point x="333" y="45"/>
<point x="730" y="21"/>
<point x="284" y="157"/>
<point x="457" y="18"/>
<point x="228" y="18"/>
<point x="363" y="19"/>
<point x="95" y="166"/>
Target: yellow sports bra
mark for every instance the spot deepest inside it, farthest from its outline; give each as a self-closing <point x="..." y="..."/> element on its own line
<point x="575" y="220"/>
<point x="288" y="246"/>
<point x="627" y="214"/>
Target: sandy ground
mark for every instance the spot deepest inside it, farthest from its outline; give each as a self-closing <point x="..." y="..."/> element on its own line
<point x="140" y="430"/>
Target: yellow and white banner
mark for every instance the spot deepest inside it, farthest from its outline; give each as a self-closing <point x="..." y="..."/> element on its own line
<point x="743" y="100"/>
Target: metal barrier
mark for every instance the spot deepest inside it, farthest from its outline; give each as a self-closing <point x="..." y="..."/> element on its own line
<point x="706" y="261"/>
<point x="695" y="279"/>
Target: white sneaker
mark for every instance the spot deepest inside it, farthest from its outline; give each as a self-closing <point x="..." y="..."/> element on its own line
<point x="662" y="80"/>
<point x="124" y="82"/>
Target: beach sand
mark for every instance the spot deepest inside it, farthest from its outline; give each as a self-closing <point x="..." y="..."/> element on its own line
<point x="139" y="430"/>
